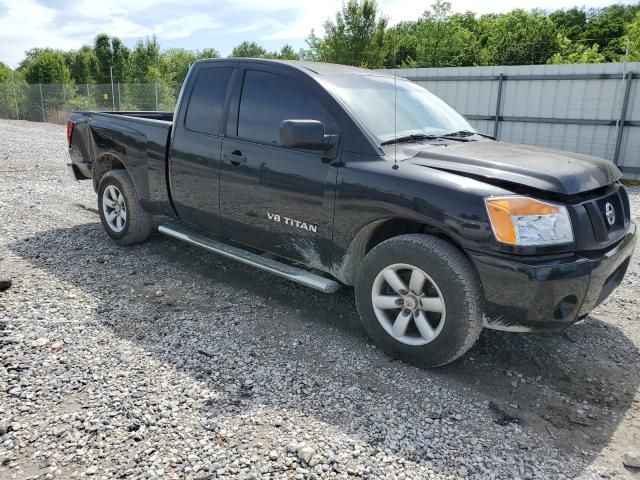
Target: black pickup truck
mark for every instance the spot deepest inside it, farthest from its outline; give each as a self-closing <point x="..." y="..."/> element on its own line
<point x="326" y="174"/>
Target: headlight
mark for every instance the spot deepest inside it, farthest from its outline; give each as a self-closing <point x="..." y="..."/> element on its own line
<point x="517" y="220"/>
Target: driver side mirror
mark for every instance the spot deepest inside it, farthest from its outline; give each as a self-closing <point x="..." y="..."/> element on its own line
<point x="307" y="134"/>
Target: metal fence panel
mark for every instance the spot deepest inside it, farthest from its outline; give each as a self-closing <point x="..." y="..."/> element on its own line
<point x="569" y="107"/>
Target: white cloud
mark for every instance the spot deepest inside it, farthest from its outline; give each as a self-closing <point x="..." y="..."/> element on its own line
<point x="311" y="16"/>
<point x="26" y="24"/>
<point x="186" y="26"/>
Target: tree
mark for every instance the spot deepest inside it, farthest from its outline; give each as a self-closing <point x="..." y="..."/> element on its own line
<point x="81" y="64"/>
<point x="249" y="50"/>
<point x="5" y="73"/>
<point x="45" y="65"/>
<point x="146" y="61"/>
<point x="633" y="38"/>
<point x="356" y="36"/>
<point x="111" y="55"/>
<point x="286" y="53"/>
<point x="520" y="38"/>
<point x="443" y="39"/>
<point x="576" y="52"/>
<point x="177" y="62"/>
<point x="607" y="26"/>
<point x="571" y="23"/>
<point x="208" y="53"/>
<point x="402" y="45"/>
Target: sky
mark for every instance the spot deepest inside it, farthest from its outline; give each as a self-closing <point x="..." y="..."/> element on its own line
<point x="198" y="24"/>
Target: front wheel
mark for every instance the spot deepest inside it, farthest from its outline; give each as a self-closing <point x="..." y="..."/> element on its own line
<point x="419" y="298"/>
<point x="121" y="214"/>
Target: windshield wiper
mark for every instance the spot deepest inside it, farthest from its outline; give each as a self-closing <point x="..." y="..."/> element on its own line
<point x="416" y="137"/>
<point x="466" y="133"/>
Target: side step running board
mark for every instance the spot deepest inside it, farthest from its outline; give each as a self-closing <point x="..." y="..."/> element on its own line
<point x="289" y="272"/>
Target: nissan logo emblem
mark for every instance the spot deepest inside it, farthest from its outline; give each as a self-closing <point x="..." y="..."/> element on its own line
<point x="610" y="213"/>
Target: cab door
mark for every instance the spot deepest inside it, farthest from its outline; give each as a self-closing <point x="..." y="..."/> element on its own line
<point x="194" y="160"/>
<point x="276" y="199"/>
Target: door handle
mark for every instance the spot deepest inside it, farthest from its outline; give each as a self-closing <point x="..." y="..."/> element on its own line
<point x="235" y="158"/>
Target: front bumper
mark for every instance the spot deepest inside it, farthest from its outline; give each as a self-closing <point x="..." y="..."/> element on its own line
<point x="533" y="294"/>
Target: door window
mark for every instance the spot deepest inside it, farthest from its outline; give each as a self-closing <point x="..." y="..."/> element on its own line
<point x="268" y="99"/>
<point x="207" y="100"/>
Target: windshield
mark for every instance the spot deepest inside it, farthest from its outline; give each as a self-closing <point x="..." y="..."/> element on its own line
<point x="373" y="101"/>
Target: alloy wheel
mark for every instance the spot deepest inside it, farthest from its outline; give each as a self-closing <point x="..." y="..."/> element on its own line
<point x="114" y="208"/>
<point x="408" y="304"/>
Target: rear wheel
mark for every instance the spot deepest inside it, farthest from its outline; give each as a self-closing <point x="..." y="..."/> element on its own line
<point x="419" y="298"/>
<point x="121" y="214"/>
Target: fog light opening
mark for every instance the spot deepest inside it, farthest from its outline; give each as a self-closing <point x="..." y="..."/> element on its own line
<point x="565" y="307"/>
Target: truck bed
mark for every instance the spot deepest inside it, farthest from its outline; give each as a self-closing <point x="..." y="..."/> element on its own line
<point x="164" y="116"/>
<point x="138" y="139"/>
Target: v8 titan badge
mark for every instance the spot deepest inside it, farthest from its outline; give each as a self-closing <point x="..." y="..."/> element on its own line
<point x="310" y="227"/>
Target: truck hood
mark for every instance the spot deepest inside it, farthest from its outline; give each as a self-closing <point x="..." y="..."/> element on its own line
<point x="536" y="167"/>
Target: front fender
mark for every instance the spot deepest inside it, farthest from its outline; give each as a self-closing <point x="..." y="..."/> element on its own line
<point x="372" y="193"/>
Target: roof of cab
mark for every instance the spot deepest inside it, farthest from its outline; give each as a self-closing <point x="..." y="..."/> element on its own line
<point x="313" y="68"/>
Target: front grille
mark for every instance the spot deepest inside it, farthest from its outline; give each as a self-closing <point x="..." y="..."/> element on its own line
<point x="609" y="216"/>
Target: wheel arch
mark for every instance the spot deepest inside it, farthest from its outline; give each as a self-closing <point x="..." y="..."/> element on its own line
<point x="103" y="164"/>
<point x="377" y="232"/>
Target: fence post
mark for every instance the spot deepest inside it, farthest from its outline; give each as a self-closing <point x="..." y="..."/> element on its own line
<point x="15" y="96"/>
<point x="623" y="116"/>
<point x="113" y="95"/>
<point x="119" y="98"/>
<point x="155" y="85"/>
<point x="496" y="123"/>
<point x="44" y="119"/>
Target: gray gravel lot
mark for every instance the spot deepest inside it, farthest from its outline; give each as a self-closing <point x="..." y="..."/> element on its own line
<point x="163" y="361"/>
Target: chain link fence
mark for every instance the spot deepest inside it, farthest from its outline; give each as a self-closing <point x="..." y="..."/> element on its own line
<point x="593" y="109"/>
<point x="54" y="102"/>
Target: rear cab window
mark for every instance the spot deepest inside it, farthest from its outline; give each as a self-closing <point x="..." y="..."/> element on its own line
<point x="206" y="102"/>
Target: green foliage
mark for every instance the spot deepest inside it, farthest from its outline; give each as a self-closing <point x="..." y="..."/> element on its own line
<point x="633" y="38"/>
<point x="571" y="23"/>
<point x="45" y="65"/>
<point x="208" y="53"/>
<point x="149" y="78"/>
<point x="111" y="56"/>
<point x="357" y="36"/>
<point x="5" y="73"/>
<point x="146" y="66"/>
<point x="285" y="53"/>
<point x="249" y="50"/>
<point x="81" y="64"/>
<point x="521" y="38"/>
<point x="576" y="52"/>
<point x="606" y="27"/>
<point x="437" y="39"/>
<point x="177" y="62"/>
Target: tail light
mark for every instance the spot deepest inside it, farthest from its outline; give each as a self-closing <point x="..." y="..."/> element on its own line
<point x="69" y="132"/>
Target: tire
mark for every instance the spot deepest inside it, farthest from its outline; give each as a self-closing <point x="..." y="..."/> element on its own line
<point x="134" y="224"/>
<point x="450" y="299"/>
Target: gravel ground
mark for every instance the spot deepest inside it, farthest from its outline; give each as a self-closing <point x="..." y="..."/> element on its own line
<point x="160" y="360"/>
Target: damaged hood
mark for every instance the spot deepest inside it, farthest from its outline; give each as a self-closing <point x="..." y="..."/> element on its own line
<point x="536" y="167"/>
